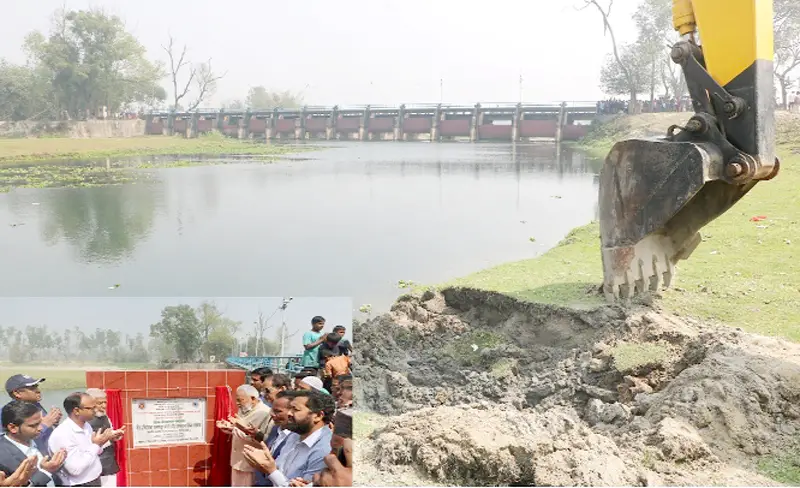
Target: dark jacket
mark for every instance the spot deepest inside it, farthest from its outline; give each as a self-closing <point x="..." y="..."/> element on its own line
<point x="108" y="458"/>
<point x="10" y="459"/>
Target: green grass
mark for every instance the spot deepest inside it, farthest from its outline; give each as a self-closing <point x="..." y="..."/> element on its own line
<point x="568" y="274"/>
<point x="783" y="468"/>
<point x="742" y="275"/>
<point x="62" y="376"/>
<point x="632" y="356"/>
<point x="58" y="148"/>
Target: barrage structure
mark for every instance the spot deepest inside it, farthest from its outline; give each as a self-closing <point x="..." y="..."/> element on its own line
<point x="433" y="122"/>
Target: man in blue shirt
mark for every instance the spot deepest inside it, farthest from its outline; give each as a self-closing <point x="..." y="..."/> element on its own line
<point x="24" y="388"/>
<point x="311" y="342"/>
<point x="302" y="454"/>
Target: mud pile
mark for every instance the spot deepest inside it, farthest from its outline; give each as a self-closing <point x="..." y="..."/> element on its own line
<point x="486" y="390"/>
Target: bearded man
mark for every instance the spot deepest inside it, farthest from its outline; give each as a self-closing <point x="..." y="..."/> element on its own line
<point x="252" y="412"/>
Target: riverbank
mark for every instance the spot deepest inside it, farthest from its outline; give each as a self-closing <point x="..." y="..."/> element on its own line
<point x="533" y="339"/>
<point x="70" y="163"/>
<point x="62" y="376"/>
<point x="745" y="273"/>
<point x="49" y="149"/>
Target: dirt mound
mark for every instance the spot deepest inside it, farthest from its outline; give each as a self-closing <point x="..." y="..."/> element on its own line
<point x="489" y="390"/>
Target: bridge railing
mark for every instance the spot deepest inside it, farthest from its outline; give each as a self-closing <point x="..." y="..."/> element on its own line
<point x="572" y="105"/>
<point x="284" y="364"/>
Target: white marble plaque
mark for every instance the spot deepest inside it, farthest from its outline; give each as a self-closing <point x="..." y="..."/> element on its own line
<point x="167" y="421"/>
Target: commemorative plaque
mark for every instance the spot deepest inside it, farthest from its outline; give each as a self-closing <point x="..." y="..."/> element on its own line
<point x="168" y="421"/>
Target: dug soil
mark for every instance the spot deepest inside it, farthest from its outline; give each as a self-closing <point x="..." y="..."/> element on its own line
<point x="477" y="388"/>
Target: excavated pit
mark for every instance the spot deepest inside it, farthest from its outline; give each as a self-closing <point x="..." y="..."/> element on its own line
<point x="482" y="389"/>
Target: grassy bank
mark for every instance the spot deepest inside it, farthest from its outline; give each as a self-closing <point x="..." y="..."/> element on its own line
<point x="62" y="376"/>
<point x="745" y="274"/>
<point x="53" y="149"/>
<point x="63" y="162"/>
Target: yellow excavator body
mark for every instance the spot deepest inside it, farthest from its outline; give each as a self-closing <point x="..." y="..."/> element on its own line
<point x="657" y="193"/>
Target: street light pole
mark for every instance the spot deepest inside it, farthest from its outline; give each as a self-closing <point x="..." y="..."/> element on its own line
<point x="520" y="88"/>
<point x="283" y="324"/>
<point x="441" y="90"/>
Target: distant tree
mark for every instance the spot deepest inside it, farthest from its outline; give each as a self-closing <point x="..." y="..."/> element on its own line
<point x="91" y="61"/>
<point x="787" y="45"/>
<point x="179" y="328"/>
<point x="184" y="75"/>
<point x="634" y="79"/>
<point x="259" y="98"/>
<point x="622" y="68"/>
<point x="217" y="331"/>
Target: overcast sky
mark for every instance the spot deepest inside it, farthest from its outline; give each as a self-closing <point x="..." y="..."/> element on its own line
<point x="368" y="51"/>
<point x="133" y="315"/>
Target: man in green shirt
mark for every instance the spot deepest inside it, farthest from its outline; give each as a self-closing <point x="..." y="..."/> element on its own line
<point x="311" y="341"/>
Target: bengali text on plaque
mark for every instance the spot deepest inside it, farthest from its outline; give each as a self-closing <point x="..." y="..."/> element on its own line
<point x="159" y="422"/>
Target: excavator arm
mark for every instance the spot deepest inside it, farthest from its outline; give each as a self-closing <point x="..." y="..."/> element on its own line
<point x="657" y="193"/>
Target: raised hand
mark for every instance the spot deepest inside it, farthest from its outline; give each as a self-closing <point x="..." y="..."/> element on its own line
<point x="117" y="434"/>
<point x="22" y="476"/>
<point x="298" y="482"/>
<point x="225" y="426"/>
<point x="334" y="473"/>
<point x="100" y="436"/>
<point x="242" y="425"/>
<point x="53" y="463"/>
<point x="260" y="458"/>
<point x="52" y="417"/>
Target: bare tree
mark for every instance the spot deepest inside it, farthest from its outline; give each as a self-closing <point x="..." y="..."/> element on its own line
<point x="261" y="327"/>
<point x="202" y="75"/>
<point x="206" y="82"/>
<point x="787" y="45"/>
<point x="626" y="72"/>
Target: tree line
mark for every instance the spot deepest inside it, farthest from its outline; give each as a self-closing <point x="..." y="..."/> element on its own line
<point x="644" y="66"/>
<point x="183" y="334"/>
<point x="89" y="66"/>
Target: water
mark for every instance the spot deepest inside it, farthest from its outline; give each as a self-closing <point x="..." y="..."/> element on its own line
<point x="352" y="221"/>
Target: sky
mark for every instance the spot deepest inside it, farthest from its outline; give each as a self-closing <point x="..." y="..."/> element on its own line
<point x="358" y="52"/>
<point x="132" y="315"/>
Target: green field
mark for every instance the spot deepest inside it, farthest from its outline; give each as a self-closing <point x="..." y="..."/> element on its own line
<point x="61" y="376"/>
<point x="745" y="274"/>
<point x="61" y="148"/>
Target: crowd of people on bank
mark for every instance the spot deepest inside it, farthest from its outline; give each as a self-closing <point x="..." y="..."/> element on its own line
<point x="614" y="106"/>
<point x="287" y="431"/>
<point x="297" y="431"/>
<point x="41" y="448"/>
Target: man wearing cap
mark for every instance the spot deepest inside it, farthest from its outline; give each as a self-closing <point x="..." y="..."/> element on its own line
<point x="310" y="383"/>
<point x="25" y="388"/>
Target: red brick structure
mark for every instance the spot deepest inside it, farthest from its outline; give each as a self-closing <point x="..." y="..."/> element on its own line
<point x="180" y="465"/>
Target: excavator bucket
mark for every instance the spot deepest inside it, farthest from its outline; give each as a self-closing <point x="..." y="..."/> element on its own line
<point x="655" y="195"/>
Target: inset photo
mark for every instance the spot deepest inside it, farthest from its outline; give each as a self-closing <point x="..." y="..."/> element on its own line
<point x="177" y="391"/>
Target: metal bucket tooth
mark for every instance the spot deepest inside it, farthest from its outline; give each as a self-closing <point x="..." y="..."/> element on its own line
<point x="635" y="270"/>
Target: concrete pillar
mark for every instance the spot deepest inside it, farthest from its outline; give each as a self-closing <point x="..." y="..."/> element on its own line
<point x="363" y="130"/>
<point x="192" y="126"/>
<point x="398" y="123"/>
<point x="170" y="124"/>
<point x="300" y="125"/>
<point x="437" y="117"/>
<point x="477" y="120"/>
<point x="515" y="123"/>
<point x="270" y="125"/>
<point x="330" y="126"/>
<point x="560" y="122"/>
<point x="220" y="119"/>
<point x="244" y="126"/>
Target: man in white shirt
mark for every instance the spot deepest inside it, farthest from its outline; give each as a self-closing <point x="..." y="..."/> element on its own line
<point x="83" y="446"/>
<point x="22" y="422"/>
